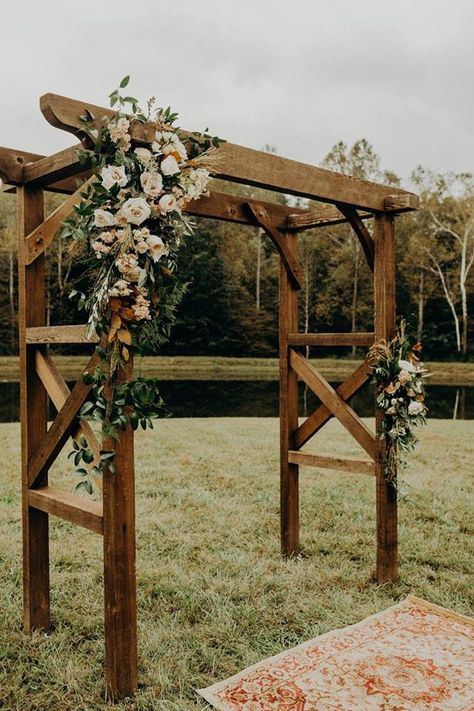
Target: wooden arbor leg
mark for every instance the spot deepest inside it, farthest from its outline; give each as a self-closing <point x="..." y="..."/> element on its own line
<point x="385" y="324"/>
<point x="119" y="566"/>
<point x="289" y="473"/>
<point x="33" y="416"/>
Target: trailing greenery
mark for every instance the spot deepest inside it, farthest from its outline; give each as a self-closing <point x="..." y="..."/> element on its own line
<point x="399" y="377"/>
<point x="128" y="228"/>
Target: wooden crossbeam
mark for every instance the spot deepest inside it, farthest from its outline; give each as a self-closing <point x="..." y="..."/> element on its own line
<point x="76" y="333"/>
<point x="361" y="232"/>
<point x="59" y="392"/>
<point x="312" y="218"/>
<point x="41" y="237"/>
<point x="238" y="164"/>
<point x="349" y="464"/>
<point x="263" y="220"/>
<point x="334" y="402"/>
<point x="323" y="414"/>
<point x="70" y="507"/>
<point x="62" y="427"/>
<point x="330" y="339"/>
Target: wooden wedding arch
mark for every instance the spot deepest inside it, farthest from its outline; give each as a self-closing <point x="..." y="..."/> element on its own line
<point x="350" y="200"/>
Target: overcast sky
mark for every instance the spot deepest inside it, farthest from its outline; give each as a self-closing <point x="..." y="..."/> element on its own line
<point x="298" y="74"/>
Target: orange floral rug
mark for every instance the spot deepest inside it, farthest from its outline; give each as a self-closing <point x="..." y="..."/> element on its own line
<point x="413" y="656"/>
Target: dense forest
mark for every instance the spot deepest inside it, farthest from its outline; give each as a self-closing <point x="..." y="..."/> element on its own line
<point x="231" y="304"/>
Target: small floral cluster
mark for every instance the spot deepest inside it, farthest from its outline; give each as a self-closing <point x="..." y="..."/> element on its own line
<point x="399" y="376"/>
<point x="130" y="224"/>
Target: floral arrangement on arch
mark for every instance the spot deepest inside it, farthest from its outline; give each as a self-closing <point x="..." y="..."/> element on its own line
<point x="128" y="227"/>
<point x="399" y="377"/>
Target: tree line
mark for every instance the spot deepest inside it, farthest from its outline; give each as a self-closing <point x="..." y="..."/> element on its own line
<point x="231" y="304"/>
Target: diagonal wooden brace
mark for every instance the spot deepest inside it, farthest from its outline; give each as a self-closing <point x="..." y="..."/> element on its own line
<point x="361" y="231"/>
<point x="59" y="392"/>
<point x="334" y="402"/>
<point x="62" y="427"/>
<point x="42" y="236"/>
<point x="323" y="414"/>
<point x="263" y="220"/>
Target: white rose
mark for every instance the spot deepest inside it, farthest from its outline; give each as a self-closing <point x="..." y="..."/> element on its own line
<point x="169" y="166"/>
<point x="152" y="183"/>
<point x="143" y="155"/>
<point x="407" y="365"/>
<point x="103" y="218"/>
<point x="415" y="407"/>
<point x="111" y="174"/>
<point x="167" y="203"/>
<point x="157" y="247"/>
<point x="135" y="210"/>
<point x="175" y="147"/>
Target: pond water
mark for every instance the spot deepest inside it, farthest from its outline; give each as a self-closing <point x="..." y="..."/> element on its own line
<point x="259" y="398"/>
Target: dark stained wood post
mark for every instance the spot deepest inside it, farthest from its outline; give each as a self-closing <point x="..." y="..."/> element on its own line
<point x="385" y="325"/>
<point x="289" y="473"/>
<point x="120" y="596"/>
<point x="33" y="416"/>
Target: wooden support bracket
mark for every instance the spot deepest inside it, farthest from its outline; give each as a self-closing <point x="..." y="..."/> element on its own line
<point x="262" y="219"/>
<point x="361" y="231"/>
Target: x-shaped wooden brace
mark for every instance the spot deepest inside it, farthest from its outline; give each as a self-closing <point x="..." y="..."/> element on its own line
<point x="333" y="404"/>
<point x="66" y="422"/>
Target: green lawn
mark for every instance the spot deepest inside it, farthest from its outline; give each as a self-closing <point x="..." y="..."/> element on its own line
<point x="217" y="368"/>
<point x="214" y="595"/>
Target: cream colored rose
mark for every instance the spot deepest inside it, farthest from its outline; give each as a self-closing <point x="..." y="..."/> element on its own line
<point x="169" y="166"/>
<point x="143" y="155"/>
<point x="152" y="183"/>
<point x="135" y="210"/>
<point x="128" y="266"/>
<point x="404" y="376"/>
<point x="415" y="407"/>
<point x="167" y="203"/>
<point x="103" y="218"/>
<point x="156" y="247"/>
<point x="112" y="174"/>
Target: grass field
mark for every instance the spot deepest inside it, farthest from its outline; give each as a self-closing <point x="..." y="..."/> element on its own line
<point x="214" y="594"/>
<point x="216" y="368"/>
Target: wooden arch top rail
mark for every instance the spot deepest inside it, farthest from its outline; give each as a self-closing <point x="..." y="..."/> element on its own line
<point x="240" y="164"/>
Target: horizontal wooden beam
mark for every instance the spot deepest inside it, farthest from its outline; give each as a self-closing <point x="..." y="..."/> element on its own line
<point x="331" y="339"/>
<point x="69" y="506"/>
<point x="12" y="163"/>
<point x="323" y="414"/>
<point x="238" y="164"/>
<point x="354" y="464"/>
<point x="308" y="219"/>
<point x="59" y="334"/>
<point x="334" y="402"/>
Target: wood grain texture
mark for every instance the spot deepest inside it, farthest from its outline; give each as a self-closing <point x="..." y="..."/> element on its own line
<point x="323" y="414"/>
<point x="33" y="417"/>
<point x="240" y="164"/>
<point x="385" y="324"/>
<point x="330" y="339"/>
<point x="62" y="427"/>
<point x="334" y="402"/>
<point x="289" y="472"/>
<point x="264" y="221"/>
<point x="42" y="236"/>
<point x="119" y="565"/>
<point x="59" y="334"/>
<point x="320" y="217"/>
<point x="59" y="392"/>
<point x="360" y="231"/>
<point x="348" y="464"/>
<point x="64" y="504"/>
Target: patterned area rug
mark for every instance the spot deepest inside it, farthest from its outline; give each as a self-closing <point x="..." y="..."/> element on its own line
<point x="413" y="656"/>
